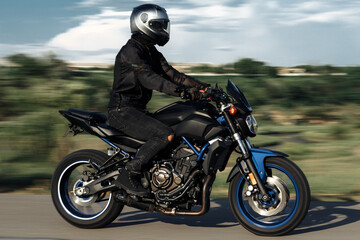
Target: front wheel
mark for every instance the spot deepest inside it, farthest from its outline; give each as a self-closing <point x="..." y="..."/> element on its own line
<point x="290" y="199"/>
<point x="92" y="211"/>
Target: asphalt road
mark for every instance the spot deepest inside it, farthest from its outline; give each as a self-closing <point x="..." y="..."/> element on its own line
<point x="34" y="217"/>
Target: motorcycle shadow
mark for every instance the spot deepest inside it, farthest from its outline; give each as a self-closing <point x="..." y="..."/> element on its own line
<point x="219" y="215"/>
<point x="321" y="216"/>
<point x="326" y="215"/>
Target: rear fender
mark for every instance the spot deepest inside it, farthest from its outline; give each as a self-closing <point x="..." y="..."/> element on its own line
<point x="258" y="155"/>
<point x="85" y="123"/>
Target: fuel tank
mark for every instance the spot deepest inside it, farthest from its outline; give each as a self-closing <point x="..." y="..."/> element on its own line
<point x="191" y="119"/>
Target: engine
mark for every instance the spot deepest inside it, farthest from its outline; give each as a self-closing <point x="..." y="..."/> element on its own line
<point x="169" y="177"/>
<point x="163" y="177"/>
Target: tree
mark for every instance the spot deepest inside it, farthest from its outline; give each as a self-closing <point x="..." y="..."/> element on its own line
<point x="49" y="66"/>
<point x="27" y="65"/>
<point x="249" y="66"/>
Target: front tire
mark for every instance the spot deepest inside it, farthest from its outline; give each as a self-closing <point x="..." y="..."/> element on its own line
<point x="85" y="212"/>
<point x="290" y="199"/>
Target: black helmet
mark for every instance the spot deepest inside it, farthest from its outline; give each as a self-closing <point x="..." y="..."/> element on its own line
<point x="151" y="20"/>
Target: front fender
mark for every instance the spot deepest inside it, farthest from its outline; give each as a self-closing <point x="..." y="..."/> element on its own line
<point x="258" y="155"/>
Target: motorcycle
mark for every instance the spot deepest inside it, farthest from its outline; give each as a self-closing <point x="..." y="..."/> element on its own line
<point x="268" y="194"/>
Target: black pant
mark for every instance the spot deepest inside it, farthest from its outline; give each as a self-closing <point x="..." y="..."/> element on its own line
<point x="138" y="124"/>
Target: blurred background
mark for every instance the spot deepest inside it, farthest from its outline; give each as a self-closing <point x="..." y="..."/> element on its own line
<point x="296" y="61"/>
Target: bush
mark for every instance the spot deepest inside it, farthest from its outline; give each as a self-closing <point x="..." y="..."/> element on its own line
<point x="250" y="67"/>
<point x="27" y="66"/>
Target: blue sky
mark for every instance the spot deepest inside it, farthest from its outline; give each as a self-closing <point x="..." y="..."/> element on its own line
<point x="280" y="32"/>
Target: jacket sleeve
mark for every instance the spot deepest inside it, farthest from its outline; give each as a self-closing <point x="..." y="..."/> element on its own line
<point x="146" y="76"/>
<point x="180" y="78"/>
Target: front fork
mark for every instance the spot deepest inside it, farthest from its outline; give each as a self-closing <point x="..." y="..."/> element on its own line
<point x="248" y="168"/>
<point x="245" y="163"/>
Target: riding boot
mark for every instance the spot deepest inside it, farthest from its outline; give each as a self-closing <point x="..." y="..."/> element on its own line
<point x="130" y="182"/>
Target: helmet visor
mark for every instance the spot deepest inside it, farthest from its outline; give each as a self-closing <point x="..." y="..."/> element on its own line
<point x="160" y="25"/>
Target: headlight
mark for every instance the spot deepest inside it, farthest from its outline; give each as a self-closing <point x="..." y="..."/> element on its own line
<point x="252" y="124"/>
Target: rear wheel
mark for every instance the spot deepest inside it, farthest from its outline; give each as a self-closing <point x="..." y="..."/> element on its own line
<point x="93" y="211"/>
<point x="290" y="198"/>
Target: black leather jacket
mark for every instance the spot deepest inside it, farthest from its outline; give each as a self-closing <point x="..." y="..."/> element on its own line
<point x="140" y="69"/>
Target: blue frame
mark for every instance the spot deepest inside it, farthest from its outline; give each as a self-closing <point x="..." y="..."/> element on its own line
<point x="200" y="155"/>
<point x="113" y="145"/>
<point x="221" y="120"/>
<point x="258" y="156"/>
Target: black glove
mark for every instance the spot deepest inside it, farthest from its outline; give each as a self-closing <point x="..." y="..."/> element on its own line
<point x="195" y="94"/>
<point x="191" y="93"/>
<point x="183" y="92"/>
<point x="208" y="92"/>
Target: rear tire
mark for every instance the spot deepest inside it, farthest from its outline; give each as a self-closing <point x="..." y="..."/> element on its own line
<point x="290" y="193"/>
<point x="85" y="212"/>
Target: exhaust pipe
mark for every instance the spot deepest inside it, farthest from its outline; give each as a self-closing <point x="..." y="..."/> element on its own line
<point x="151" y="207"/>
<point x="162" y="196"/>
<point x="128" y="201"/>
<point x="205" y="202"/>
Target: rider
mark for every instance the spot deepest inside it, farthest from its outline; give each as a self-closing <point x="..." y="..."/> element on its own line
<point x="140" y="69"/>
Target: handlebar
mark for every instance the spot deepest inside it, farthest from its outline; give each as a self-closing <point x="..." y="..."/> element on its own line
<point x="216" y="94"/>
<point x="213" y="94"/>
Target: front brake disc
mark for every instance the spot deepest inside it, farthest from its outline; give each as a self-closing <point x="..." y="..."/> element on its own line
<point x="279" y="198"/>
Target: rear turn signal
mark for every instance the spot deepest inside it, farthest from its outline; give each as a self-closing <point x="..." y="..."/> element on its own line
<point x="232" y="110"/>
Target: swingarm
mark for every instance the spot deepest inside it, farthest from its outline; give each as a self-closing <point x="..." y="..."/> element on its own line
<point x="102" y="184"/>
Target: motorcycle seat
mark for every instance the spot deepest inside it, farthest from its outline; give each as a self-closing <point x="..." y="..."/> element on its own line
<point x="96" y="123"/>
<point x="90" y="116"/>
<point x="108" y="130"/>
<point x="96" y="119"/>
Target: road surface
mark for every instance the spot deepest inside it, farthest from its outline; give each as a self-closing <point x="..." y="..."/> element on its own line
<point x="33" y="217"/>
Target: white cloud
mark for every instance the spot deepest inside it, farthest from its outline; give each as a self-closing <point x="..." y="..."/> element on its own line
<point x="110" y="29"/>
<point x="107" y="30"/>
<point x="207" y="2"/>
<point x="274" y="31"/>
<point x="218" y="15"/>
<point x="319" y="12"/>
<point x="350" y="16"/>
<point x="90" y="3"/>
<point x="272" y="4"/>
<point x="311" y="6"/>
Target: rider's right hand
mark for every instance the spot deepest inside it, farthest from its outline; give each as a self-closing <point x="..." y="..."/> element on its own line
<point x="194" y="94"/>
<point x="190" y="93"/>
<point x="209" y="92"/>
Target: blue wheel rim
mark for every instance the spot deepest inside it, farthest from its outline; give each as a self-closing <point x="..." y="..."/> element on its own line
<point x="64" y="196"/>
<point x="252" y="219"/>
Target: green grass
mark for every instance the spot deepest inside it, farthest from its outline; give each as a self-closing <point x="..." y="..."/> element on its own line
<point x="323" y="139"/>
<point x="327" y="152"/>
